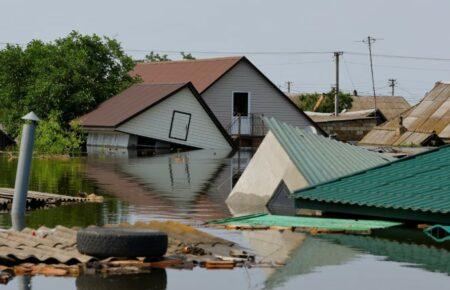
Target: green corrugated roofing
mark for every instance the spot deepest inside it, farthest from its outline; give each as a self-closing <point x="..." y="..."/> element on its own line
<point x="417" y="183"/>
<point x="319" y="158"/>
<point x="306" y="222"/>
<point x="439" y="233"/>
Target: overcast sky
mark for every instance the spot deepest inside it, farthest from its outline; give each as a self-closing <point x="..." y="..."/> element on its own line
<point x="404" y="27"/>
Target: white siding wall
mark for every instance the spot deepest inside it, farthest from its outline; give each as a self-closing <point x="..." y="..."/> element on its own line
<point x="155" y="123"/>
<point x="112" y="139"/>
<point x="264" y="99"/>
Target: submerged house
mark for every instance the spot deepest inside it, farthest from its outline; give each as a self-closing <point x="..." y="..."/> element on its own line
<point x="147" y="113"/>
<point x="237" y="92"/>
<point x="425" y="124"/>
<point x="414" y="188"/>
<point x="348" y="126"/>
<point x="290" y="158"/>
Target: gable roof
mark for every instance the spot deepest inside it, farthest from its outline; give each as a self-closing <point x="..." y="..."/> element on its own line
<point x="431" y="116"/>
<point x="389" y="106"/>
<point x="418" y="183"/>
<point x="319" y="158"/>
<point x="201" y="72"/>
<point x="138" y="98"/>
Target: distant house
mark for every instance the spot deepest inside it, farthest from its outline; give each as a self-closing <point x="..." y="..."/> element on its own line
<point x="148" y="113"/>
<point x="290" y="158"/>
<point x="389" y="106"/>
<point x="425" y="124"/>
<point x="349" y="126"/>
<point x="237" y="92"/>
<point x="5" y="139"/>
<point x="413" y="188"/>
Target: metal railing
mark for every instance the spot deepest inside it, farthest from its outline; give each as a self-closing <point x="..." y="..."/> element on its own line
<point x="251" y="125"/>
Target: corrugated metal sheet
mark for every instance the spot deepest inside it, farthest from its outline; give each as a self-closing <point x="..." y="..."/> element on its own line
<point x="418" y="183"/>
<point x="201" y="72"/>
<point x="305" y="222"/>
<point x="44" y="245"/>
<point x="319" y="158"/>
<point x="389" y="106"/>
<point x="430" y="116"/>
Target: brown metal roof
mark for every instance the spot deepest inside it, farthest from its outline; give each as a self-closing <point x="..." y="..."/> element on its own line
<point x="202" y="72"/>
<point x="127" y="104"/>
<point x="44" y="245"/>
<point x="390" y="106"/>
<point x="431" y="116"/>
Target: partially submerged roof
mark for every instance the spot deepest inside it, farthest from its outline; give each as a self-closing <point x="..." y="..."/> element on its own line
<point x="135" y="100"/>
<point x="429" y="118"/>
<point x="389" y="106"/>
<point x="319" y="158"/>
<point x="419" y="183"/>
<point x="320" y="117"/>
<point x="127" y="104"/>
<point x="201" y="72"/>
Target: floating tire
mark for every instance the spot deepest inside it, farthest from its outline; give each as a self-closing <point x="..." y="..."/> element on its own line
<point x="121" y="242"/>
<point x="155" y="280"/>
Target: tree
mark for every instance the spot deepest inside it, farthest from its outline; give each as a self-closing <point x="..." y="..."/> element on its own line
<point x="69" y="77"/>
<point x="187" y="56"/>
<point x="156" y="57"/>
<point x="307" y="101"/>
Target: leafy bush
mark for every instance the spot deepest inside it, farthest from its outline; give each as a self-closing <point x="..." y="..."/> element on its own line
<point x="307" y="101"/>
<point x="51" y="138"/>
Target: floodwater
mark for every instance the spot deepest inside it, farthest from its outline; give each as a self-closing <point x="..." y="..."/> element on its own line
<point x="191" y="187"/>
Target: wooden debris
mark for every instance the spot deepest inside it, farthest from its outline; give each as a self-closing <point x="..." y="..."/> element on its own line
<point x="219" y="265"/>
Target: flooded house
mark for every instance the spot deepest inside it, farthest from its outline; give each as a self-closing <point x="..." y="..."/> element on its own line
<point x="425" y="124"/>
<point x="237" y="92"/>
<point x="290" y="158"/>
<point x="413" y="188"/>
<point x="155" y="115"/>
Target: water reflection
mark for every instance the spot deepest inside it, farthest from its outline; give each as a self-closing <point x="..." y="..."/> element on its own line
<point x="156" y="280"/>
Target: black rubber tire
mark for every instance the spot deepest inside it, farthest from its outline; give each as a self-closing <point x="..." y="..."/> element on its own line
<point x="156" y="280"/>
<point x="121" y="242"/>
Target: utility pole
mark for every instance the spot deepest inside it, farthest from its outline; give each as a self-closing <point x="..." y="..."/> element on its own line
<point x="336" y="93"/>
<point x="370" y="40"/>
<point x="289" y="83"/>
<point x="392" y="83"/>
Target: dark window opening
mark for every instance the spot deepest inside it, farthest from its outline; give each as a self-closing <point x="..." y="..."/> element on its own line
<point x="240" y="104"/>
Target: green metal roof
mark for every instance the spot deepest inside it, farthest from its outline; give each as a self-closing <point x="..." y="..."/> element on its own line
<point x="319" y="158"/>
<point x="418" y="183"/>
<point x="306" y="222"/>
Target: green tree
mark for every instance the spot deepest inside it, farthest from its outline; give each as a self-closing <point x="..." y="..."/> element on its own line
<point x="307" y="101"/>
<point x="69" y="76"/>
<point x="187" y="56"/>
<point x="156" y="57"/>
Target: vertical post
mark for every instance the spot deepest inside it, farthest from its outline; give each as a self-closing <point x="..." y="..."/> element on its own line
<point x="289" y="86"/>
<point x="239" y="129"/>
<point x="23" y="172"/>
<point x="336" y="93"/>
<point x="392" y="83"/>
<point x="369" y="43"/>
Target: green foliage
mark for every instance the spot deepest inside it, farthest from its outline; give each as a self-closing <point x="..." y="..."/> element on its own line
<point x="187" y="56"/>
<point x="156" y="57"/>
<point x="71" y="76"/>
<point x="307" y="101"/>
<point x="51" y="138"/>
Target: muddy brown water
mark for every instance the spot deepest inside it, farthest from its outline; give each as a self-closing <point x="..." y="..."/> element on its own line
<point x="191" y="187"/>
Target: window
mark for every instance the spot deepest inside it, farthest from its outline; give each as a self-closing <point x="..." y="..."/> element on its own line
<point x="179" y="127"/>
<point x="240" y="104"/>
